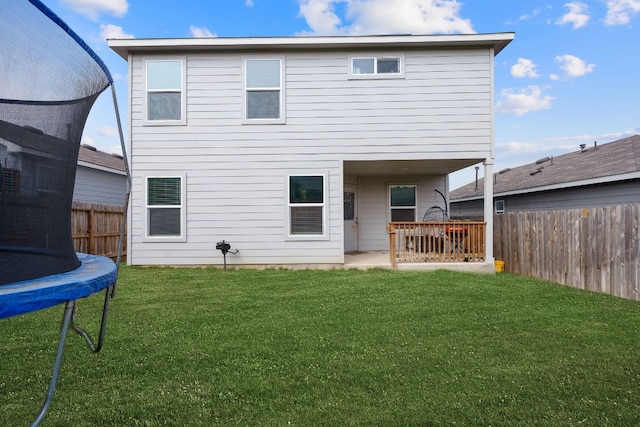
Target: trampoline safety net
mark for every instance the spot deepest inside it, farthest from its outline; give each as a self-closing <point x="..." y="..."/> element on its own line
<point x="49" y="80"/>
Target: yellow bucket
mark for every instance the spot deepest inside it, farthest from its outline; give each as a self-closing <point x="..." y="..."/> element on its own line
<point x="499" y="266"/>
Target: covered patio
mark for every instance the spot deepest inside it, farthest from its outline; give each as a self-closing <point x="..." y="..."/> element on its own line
<point x="389" y="220"/>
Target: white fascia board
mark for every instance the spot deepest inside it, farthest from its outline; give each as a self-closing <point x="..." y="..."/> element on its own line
<point x="561" y="186"/>
<point x="123" y="46"/>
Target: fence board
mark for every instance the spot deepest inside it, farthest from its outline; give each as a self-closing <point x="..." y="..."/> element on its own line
<point x="96" y="229"/>
<point x="596" y="249"/>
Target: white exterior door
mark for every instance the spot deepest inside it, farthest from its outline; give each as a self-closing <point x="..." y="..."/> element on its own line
<point x="350" y="206"/>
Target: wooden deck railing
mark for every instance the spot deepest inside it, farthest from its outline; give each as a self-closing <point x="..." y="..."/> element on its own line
<point x="452" y="241"/>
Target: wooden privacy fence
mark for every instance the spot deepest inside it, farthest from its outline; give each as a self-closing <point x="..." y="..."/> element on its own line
<point x="451" y="241"/>
<point x="596" y="249"/>
<point x="96" y="229"/>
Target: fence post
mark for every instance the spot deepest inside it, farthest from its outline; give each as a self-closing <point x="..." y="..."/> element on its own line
<point x="91" y="232"/>
<point x="391" y="229"/>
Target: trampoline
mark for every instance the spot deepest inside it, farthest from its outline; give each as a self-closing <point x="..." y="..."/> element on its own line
<point x="50" y="81"/>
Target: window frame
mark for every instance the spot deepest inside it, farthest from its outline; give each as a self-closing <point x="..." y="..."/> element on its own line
<point x="182" y="90"/>
<point x="281" y="89"/>
<point x="495" y="206"/>
<point x="377" y="57"/>
<point x="323" y="205"/>
<point x="182" y="237"/>
<point x="414" y="207"/>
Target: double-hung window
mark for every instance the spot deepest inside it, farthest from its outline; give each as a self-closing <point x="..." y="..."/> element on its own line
<point x="402" y="203"/>
<point x="306" y="203"/>
<point x="264" y="90"/>
<point x="376" y="67"/>
<point x="165" y="91"/>
<point x="165" y="207"/>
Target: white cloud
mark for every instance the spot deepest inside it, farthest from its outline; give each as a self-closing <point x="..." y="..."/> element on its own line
<point x="113" y="149"/>
<point x="200" y="32"/>
<point x="248" y="3"/>
<point x="320" y="16"/>
<point x="518" y="147"/>
<point x="86" y="140"/>
<point x="108" y="131"/>
<point x="385" y="17"/>
<point x="620" y="12"/>
<point x="92" y="9"/>
<point x="528" y="16"/>
<point x="578" y="15"/>
<point x="574" y="66"/>
<point x="108" y="31"/>
<point x="524" y="68"/>
<point x="526" y="100"/>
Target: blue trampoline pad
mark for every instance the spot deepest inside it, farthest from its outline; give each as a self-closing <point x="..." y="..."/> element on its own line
<point x="94" y="274"/>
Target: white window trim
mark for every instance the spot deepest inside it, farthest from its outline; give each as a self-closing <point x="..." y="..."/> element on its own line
<point x="283" y="114"/>
<point x="183" y="210"/>
<point x="375" y="75"/>
<point x="288" y="205"/>
<point x="183" y="93"/>
<point x="495" y="206"/>
<point x="390" y="208"/>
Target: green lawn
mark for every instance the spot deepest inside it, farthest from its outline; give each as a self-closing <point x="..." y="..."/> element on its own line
<point x="202" y="347"/>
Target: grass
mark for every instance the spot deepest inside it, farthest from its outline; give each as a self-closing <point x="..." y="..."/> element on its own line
<point x="202" y="347"/>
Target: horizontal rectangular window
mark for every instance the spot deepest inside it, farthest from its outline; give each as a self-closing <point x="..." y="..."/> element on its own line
<point x="376" y="67"/>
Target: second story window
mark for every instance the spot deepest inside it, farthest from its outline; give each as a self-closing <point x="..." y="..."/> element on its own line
<point x="376" y="67"/>
<point x="264" y="89"/>
<point x="165" y="92"/>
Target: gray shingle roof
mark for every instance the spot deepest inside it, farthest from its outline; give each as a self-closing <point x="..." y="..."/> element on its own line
<point x="592" y="163"/>
<point x="100" y="158"/>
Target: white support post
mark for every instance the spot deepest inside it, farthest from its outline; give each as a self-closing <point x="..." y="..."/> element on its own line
<point x="488" y="210"/>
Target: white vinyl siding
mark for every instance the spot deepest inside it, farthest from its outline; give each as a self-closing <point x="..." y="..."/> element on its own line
<point x="98" y="186"/>
<point x="441" y="110"/>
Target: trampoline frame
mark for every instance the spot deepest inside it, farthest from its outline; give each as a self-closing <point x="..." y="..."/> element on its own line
<point x="96" y="273"/>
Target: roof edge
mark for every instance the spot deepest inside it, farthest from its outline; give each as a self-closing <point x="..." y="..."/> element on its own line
<point x="125" y="46"/>
<point x="591" y="181"/>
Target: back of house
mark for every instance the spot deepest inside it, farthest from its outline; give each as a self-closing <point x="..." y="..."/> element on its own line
<point x="296" y="150"/>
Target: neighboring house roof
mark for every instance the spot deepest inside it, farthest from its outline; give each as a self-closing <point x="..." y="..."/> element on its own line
<point x="125" y="46"/>
<point x="89" y="156"/>
<point x="596" y="164"/>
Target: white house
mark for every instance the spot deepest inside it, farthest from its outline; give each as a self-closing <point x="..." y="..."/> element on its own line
<point x="296" y="150"/>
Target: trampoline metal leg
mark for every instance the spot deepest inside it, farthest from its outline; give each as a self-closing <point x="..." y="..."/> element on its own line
<point x="66" y="320"/>
<point x="103" y="325"/>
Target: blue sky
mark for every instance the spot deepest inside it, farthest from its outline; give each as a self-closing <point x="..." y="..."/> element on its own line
<point x="569" y="77"/>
